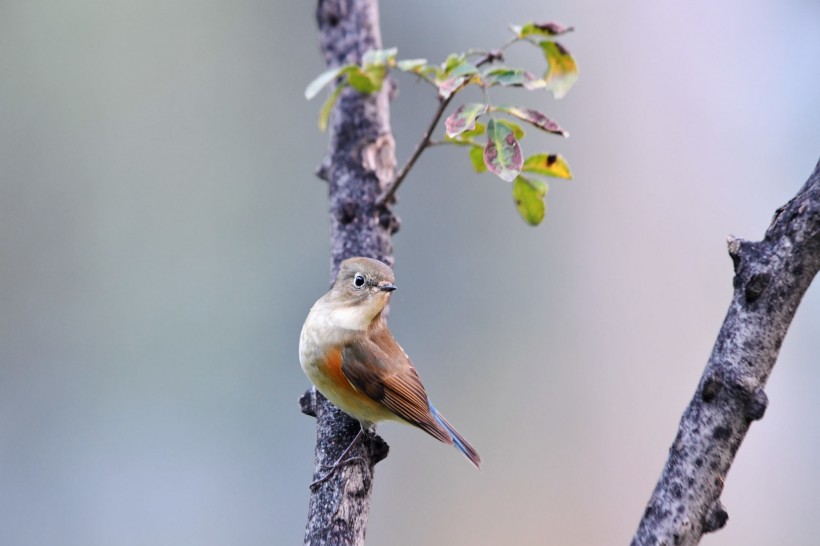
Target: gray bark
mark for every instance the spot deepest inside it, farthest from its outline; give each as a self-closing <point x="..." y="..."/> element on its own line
<point x="770" y="279"/>
<point x="360" y="163"/>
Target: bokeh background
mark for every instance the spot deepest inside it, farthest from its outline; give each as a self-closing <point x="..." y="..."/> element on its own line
<point x="162" y="237"/>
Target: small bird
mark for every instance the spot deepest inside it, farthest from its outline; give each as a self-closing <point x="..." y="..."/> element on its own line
<point x="348" y="352"/>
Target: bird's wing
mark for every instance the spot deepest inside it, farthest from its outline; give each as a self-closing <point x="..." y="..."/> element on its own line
<point x="390" y="380"/>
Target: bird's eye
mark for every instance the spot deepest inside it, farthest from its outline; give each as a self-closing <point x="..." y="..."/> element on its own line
<point x="358" y="281"/>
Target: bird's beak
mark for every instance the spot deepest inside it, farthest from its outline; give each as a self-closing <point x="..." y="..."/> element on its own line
<point x="387" y="287"/>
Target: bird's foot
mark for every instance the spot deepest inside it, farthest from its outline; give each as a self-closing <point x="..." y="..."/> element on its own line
<point x="341" y="461"/>
<point x="333" y="469"/>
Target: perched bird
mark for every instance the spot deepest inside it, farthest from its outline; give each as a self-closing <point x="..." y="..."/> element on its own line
<point x="348" y="352"/>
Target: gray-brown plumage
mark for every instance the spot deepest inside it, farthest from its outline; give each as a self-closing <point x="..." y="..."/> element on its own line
<point x="348" y="352"/>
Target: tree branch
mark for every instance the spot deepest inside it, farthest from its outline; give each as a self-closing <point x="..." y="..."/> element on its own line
<point x="360" y="162"/>
<point x="770" y="279"/>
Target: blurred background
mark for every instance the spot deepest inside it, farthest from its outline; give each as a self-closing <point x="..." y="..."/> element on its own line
<point x="162" y="237"/>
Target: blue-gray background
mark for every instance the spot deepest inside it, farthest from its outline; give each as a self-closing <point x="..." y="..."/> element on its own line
<point x="162" y="237"/>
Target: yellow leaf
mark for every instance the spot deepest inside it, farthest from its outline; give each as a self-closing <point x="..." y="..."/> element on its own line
<point x="548" y="165"/>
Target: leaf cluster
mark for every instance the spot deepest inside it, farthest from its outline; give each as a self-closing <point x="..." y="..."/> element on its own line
<point x="494" y="146"/>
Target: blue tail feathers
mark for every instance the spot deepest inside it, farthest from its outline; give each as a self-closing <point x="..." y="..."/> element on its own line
<point x="458" y="440"/>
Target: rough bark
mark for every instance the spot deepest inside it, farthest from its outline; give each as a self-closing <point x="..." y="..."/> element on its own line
<point x="770" y="279"/>
<point x="360" y="163"/>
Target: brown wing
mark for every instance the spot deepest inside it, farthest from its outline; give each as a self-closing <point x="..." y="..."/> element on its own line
<point x="377" y="366"/>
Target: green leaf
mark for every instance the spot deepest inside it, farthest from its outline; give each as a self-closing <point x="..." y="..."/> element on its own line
<point x="411" y="65"/>
<point x="562" y="71"/>
<point x="463" y="69"/>
<point x="457" y="74"/>
<point x="451" y="86"/>
<point x="377" y="74"/>
<point x="477" y="159"/>
<point x="478" y="130"/>
<point x="375" y="63"/>
<point x="507" y="77"/>
<point x="379" y="57"/>
<point x="367" y="80"/>
<point x="322" y="80"/>
<point x="534" y="118"/>
<point x="548" y="165"/>
<point x="327" y="107"/>
<point x="464" y="118"/>
<point x="452" y="61"/>
<point x="467" y="138"/>
<point x="364" y="81"/>
<point x="514" y="127"/>
<point x="547" y="28"/>
<point x="502" y="154"/>
<point x="529" y="196"/>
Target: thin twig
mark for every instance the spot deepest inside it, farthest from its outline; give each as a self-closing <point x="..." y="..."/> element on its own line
<point x="422" y="144"/>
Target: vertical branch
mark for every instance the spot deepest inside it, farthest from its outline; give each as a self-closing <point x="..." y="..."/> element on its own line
<point x="359" y="164"/>
<point x="771" y="277"/>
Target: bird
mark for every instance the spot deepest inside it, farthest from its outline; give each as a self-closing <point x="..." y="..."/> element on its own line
<point x="348" y="352"/>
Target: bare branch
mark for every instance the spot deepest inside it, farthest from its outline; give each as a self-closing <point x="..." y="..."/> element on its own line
<point x="770" y="279"/>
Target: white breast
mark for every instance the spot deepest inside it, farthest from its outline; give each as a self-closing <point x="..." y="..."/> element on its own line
<point x="327" y="326"/>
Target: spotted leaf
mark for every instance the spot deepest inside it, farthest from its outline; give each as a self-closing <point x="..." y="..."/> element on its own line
<point x="546" y="28"/>
<point x="464" y="118"/>
<point x="534" y="118"/>
<point x="547" y="165"/>
<point x="502" y="154"/>
<point x="562" y="72"/>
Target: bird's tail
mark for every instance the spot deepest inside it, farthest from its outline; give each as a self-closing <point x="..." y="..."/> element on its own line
<point x="458" y="440"/>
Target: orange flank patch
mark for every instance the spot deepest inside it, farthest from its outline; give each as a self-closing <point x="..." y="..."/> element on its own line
<point x="333" y="368"/>
<point x="339" y="390"/>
